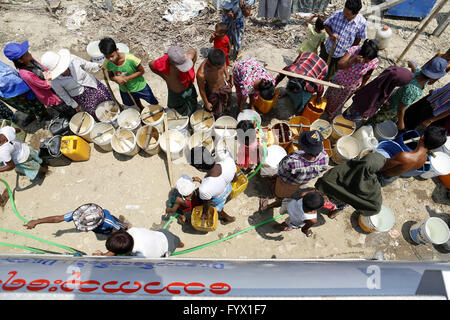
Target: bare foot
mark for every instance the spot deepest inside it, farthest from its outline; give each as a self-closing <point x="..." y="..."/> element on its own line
<point x="180" y="245"/>
<point x="263" y="202"/>
<point x="225" y="218"/>
<point x="334" y="214"/>
<point x="181" y="218"/>
<point x="283" y="227"/>
<point x="4" y="198"/>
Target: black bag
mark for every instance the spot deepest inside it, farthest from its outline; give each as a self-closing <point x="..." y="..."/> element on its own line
<point x="50" y="152"/>
<point x="59" y="126"/>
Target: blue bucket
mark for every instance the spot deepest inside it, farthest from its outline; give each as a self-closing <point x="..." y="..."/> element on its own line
<point x="389" y="148"/>
<point x="405" y="136"/>
<point x="414" y="173"/>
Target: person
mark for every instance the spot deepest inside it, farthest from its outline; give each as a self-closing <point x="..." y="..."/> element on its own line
<point x="251" y="79"/>
<point x="127" y="71"/>
<point x="353" y="183"/>
<point x="302" y="212"/>
<point x="234" y="12"/>
<point x="309" y="6"/>
<point x="279" y="9"/>
<point x="298" y="168"/>
<point x="249" y="147"/>
<point x="35" y="76"/>
<point x="87" y="217"/>
<point x="17" y="94"/>
<point x="18" y="155"/>
<point x="216" y="185"/>
<point x="177" y="69"/>
<point x="299" y="90"/>
<point x="345" y="28"/>
<point x="400" y="101"/>
<point x="221" y="40"/>
<point x="406" y="161"/>
<point x="214" y="83"/>
<point x="369" y="99"/>
<point x="186" y="199"/>
<point x="446" y="56"/>
<point x="315" y="36"/>
<point x="141" y="242"/>
<point x="433" y="109"/>
<point x="73" y="83"/>
<point x="354" y="70"/>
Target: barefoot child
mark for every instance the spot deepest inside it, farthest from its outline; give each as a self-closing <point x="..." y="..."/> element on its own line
<point x="315" y="37"/>
<point x="249" y="146"/>
<point x="186" y="200"/>
<point x="221" y="40"/>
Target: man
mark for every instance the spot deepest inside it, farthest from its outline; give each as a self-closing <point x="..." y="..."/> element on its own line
<point x="177" y="69"/>
<point x="214" y="82"/>
<point x="346" y="28"/>
<point x="300" y="91"/>
<point x="405" y="161"/>
<point x="216" y="185"/>
<point x="298" y="168"/>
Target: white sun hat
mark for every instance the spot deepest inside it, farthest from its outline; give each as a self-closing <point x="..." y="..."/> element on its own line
<point x="56" y="63"/>
<point x="185" y="185"/>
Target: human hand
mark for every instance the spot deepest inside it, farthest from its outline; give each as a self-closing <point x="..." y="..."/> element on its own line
<point x="78" y="109"/>
<point x="97" y="253"/>
<point x="31" y="224"/>
<point x="426" y="123"/>
<point x="169" y="210"/>
<point x="47" y="75"/>
<point x="334" y="37"/>
<point x="197" y="179"/>
<point x="358" y="59"/>
<point x="121" y="80"/>
<point x="208" y="106"/>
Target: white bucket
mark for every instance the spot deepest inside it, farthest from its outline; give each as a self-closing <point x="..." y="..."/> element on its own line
<point x="206" y="125"/>
<point x="177" y="143"/>
<point x="433" y="230"/>
<point x="226" y="148"/>
<point x="108" y="112"/>
<point x="249" y="114"/>
<point x="323" y="126"/>
<point x="157" y="120"/>
<point x="84" y="127"/>
<point x="440" y="166"/>
<point x="176" y="121"/>
<point x="275" y="154"/>
<point x="124" y="142"/>
<point x="386" y="130"/>
<point x="381" y="222"/>
<point x="444" y="148"/>
<point x="346" y="148"/>
<point x="148" y="139"/>
<point x="129" y="119"/>
<point x="201" y="139"/>
<point x="102" y="134"/>
<point x="94" y="51"/>
<point x="226" y="122"/>
<point x="340" y="131"/>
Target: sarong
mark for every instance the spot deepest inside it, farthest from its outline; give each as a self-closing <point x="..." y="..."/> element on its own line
<point x="219" y="98"/>
<point x="219" y="201"/>
<point x="280" y="9"/>
<point x="31" y="167"/>
<point x="185" y="102"/>
<point x="235" y="31"/>
<point x="92" y="97"/>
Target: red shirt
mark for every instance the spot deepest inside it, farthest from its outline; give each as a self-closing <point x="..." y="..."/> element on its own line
<point x="163" y="65"/>
<point x="222" y="44"/>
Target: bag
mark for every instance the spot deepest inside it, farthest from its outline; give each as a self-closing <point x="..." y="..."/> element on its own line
<point x="60" y="126"/>
<point x="50" y="152"/>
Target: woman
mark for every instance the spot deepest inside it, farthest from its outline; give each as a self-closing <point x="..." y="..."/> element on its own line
<point x="405" y="96"/>
<point x="72" y="82"/>
<point x="34" y="74"/>
<point x="251" y="80"/>
<point x="354" y="70"/>
<point x="16" y="93"/>
<point x="368" y="100"/>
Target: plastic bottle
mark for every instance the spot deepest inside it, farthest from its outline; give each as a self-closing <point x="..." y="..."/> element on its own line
<point x="383" y="37"/>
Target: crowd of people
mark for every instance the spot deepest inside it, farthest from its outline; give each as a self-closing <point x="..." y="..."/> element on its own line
<point x="63" y="82"/>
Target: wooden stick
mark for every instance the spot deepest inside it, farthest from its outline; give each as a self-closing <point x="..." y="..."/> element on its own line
<point x="411" y="140"/>
<point x="169" y="156"/>
<point x="330" y="55"/>
<point x="110" y="90"/>
<point x="344" y="125"/>
<point x="295" y="75"/>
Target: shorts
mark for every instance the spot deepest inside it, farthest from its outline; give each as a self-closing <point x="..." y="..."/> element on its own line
<point x="145" y="94"/>
<point x="384" y="181"/>
<point x="172" y="240"/>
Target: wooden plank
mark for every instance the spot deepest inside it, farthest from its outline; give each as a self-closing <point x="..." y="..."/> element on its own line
<point x="295" y="75"/>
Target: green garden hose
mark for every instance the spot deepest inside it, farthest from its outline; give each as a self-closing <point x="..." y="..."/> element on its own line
<point x="21" y="247"/>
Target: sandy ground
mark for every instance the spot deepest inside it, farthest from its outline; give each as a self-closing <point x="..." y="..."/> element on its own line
<point x="138" y="187"/>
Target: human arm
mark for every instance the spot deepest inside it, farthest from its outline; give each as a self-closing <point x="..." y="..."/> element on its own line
<point x="206" y="206"/>
<point x="429" y="121"/>
<point x="412" y="65"/>
<point x="87" y="65"/>
<point x="53" y="219"/>
<point x="9" y="165"/>
<point x="99" y="253"/>
<point x="213" y="36"/>
<point x="155" y="71"/>
<point x="348" y="60"/>
<point x="201" y="86"/>
<point x="308" y="224"/>
<point x="308" y="21"/>
<point x="356" y="42"/>
<point x="178" y="203"/>
<point x="333" y="36"/>
<point x="124" y="79"/>
<point x="33" y="80"/>
<point x="366" y="78"/>
<point x="401" y="116"/>
<point x="57" y="86"/>
<point x="192" y="54"/>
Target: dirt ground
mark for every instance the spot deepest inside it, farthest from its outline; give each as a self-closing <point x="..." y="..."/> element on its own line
<point x="138" y="187"/>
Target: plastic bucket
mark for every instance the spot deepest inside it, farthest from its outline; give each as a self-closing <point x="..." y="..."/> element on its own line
<point x="389" y="148"/>
<point x="405" y="136"/>
<point x="81" y="124"/>
<point x="282" y="133"/>
<point x="275" y="154"/>
<point x="425" y="168"/>
<point x="102" y="134"/>
<point x="313" y="111"/>
<point x="148" y="139"/>
<point x="201" y="139"/>
<point x="124" y="142"/>
<point x="444" y="148"/>
<point x="445" y="180"/>
<point x="366" y="138"/>
<point x="249" y="114"/>
<point x="381" y="222"/>
<point x="108" y="112"/>
<point x="177" y="143"/>
<point x="129" y="119"/>
<point x="346" y="148"/>
<point x="202" y="121"/>
<point x="264" y="106"/>
<point x="94" y="51"/>
<point x="225" y="122"/>
<point x="385" y="131"/>
<point x="323" y="126"/>
<point x="440" y="166"/>
<point x="433" y="230"/>
<point x="156" y="120"/>
<point x="299" y="120"/>
<point x="226" y="148"/>
<point x="176" y="121"/>
<point x="339" y="130"/>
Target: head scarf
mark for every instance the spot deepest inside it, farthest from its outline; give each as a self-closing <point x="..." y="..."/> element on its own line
<point x="372" y="96"/>
<point x="355" y="182"/>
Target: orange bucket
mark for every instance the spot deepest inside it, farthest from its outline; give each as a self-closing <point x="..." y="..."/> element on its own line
<point x="445" y="180"/>
<point x="313" y="111"/>
<point x="264" y="106"/>
<point x="298" y="125"/>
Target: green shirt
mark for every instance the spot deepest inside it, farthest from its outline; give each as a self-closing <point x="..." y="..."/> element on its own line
<point x="128" y="68"/>
<point x="407" y="94"/>
<point x="313" y="40"/>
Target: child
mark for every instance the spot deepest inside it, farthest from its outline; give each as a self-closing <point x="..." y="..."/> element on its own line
<point x="249" y="146"/>
<point x="315" y="36"/>
<point x="221" y="40"/>
<point x="303" y="212"/>
<point x="186" y="200"/>
<point x="126" y="70"/>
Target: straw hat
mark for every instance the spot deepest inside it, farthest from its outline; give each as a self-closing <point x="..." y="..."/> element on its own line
<point x="56" y="63"/>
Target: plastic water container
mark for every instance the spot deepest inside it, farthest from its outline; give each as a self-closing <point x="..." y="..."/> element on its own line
<point x="386" y="130"/>
<point x="389" y="148"/>
<point x="225" y="127"/>
<point x="314" y="110"/>
<point x="342" y="131"/>
<point x="82" y="124"/>
<point x="444" y="148"/>
<point x="346" y="148"/>
<point x="264" y="106"/>
<point x="249" y="114"/>
<point x="381" y="222"/>
<point x="275" y="154"/>
<point x="154" y="116"/>
<point x="366" y="139"/>
<point x="177" y="143"/>
<point x="209" y="224"/>
<point x="383" y="37"/>
<point x="201" y="139"/>
<point x="282" y="133"/>
<point x="298" y="125"/>
<point x="440" y="166"/>
<point x="148" y="139"/>
<point x="238" y="186"/>
<point x="323" y="126"/>
<point x="405" y="136"/>
<point x="129" y="119"/>
<point x="75" y="148"/>
<point x="94" y="51"/>
<point x="102" y="134"/>
<point x="202" y="121"/>
<point x="124" y="142"/>
<point x="433" y="230"/>
<point x="108" y="112"/>
<point x="176" y="121"/>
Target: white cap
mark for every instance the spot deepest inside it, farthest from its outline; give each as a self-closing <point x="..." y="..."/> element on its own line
<point x="185" y="185"/>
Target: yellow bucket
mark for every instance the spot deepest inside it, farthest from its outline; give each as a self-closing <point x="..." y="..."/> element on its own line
<point x="75" y="148"/>
<point x="264" y="106"/>
<point x="296" y="129"/>
<point x="312" y="110"/>
<point x="239" y="185"/>
<point x="199" y="224"/>
<point x="341" y="127"/>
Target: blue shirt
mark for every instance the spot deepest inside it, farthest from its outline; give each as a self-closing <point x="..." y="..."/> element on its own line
<point x="11" y="84"/>
<point x="347" y="32"/>
<point x="109" y="223"/>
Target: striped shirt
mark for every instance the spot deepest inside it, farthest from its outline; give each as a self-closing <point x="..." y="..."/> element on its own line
<point x="347" y="32"/>
<point x="109" y="223"/>
<point x="440" y="100"/>
<point x="296" y="170"/>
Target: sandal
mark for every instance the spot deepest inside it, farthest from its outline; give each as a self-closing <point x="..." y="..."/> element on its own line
<point x="334" y="214"/>
<point x="263" y="202"/>
<point x="309" y="233"/>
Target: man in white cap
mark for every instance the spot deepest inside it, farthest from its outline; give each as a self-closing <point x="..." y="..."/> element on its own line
<point x="177" y="69"/>
<point x="186" y="200"/>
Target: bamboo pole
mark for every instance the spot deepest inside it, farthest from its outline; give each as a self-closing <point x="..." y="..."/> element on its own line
<point x="296" y="75"/>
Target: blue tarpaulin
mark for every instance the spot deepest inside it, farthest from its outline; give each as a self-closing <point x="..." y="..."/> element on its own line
<point x="412" y="9"/>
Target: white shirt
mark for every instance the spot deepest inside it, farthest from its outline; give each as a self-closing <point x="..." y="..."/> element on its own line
<point x="67" y="87"/>
<point x="16" y="150"/>
<point x="296" y="214"/>
<point x="214" y="186"/>
<point x="148" y="243"/>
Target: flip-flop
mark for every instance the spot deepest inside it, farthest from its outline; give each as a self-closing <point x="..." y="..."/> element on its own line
<point x="309" y="234"/>
<point x="263" y="202"/>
